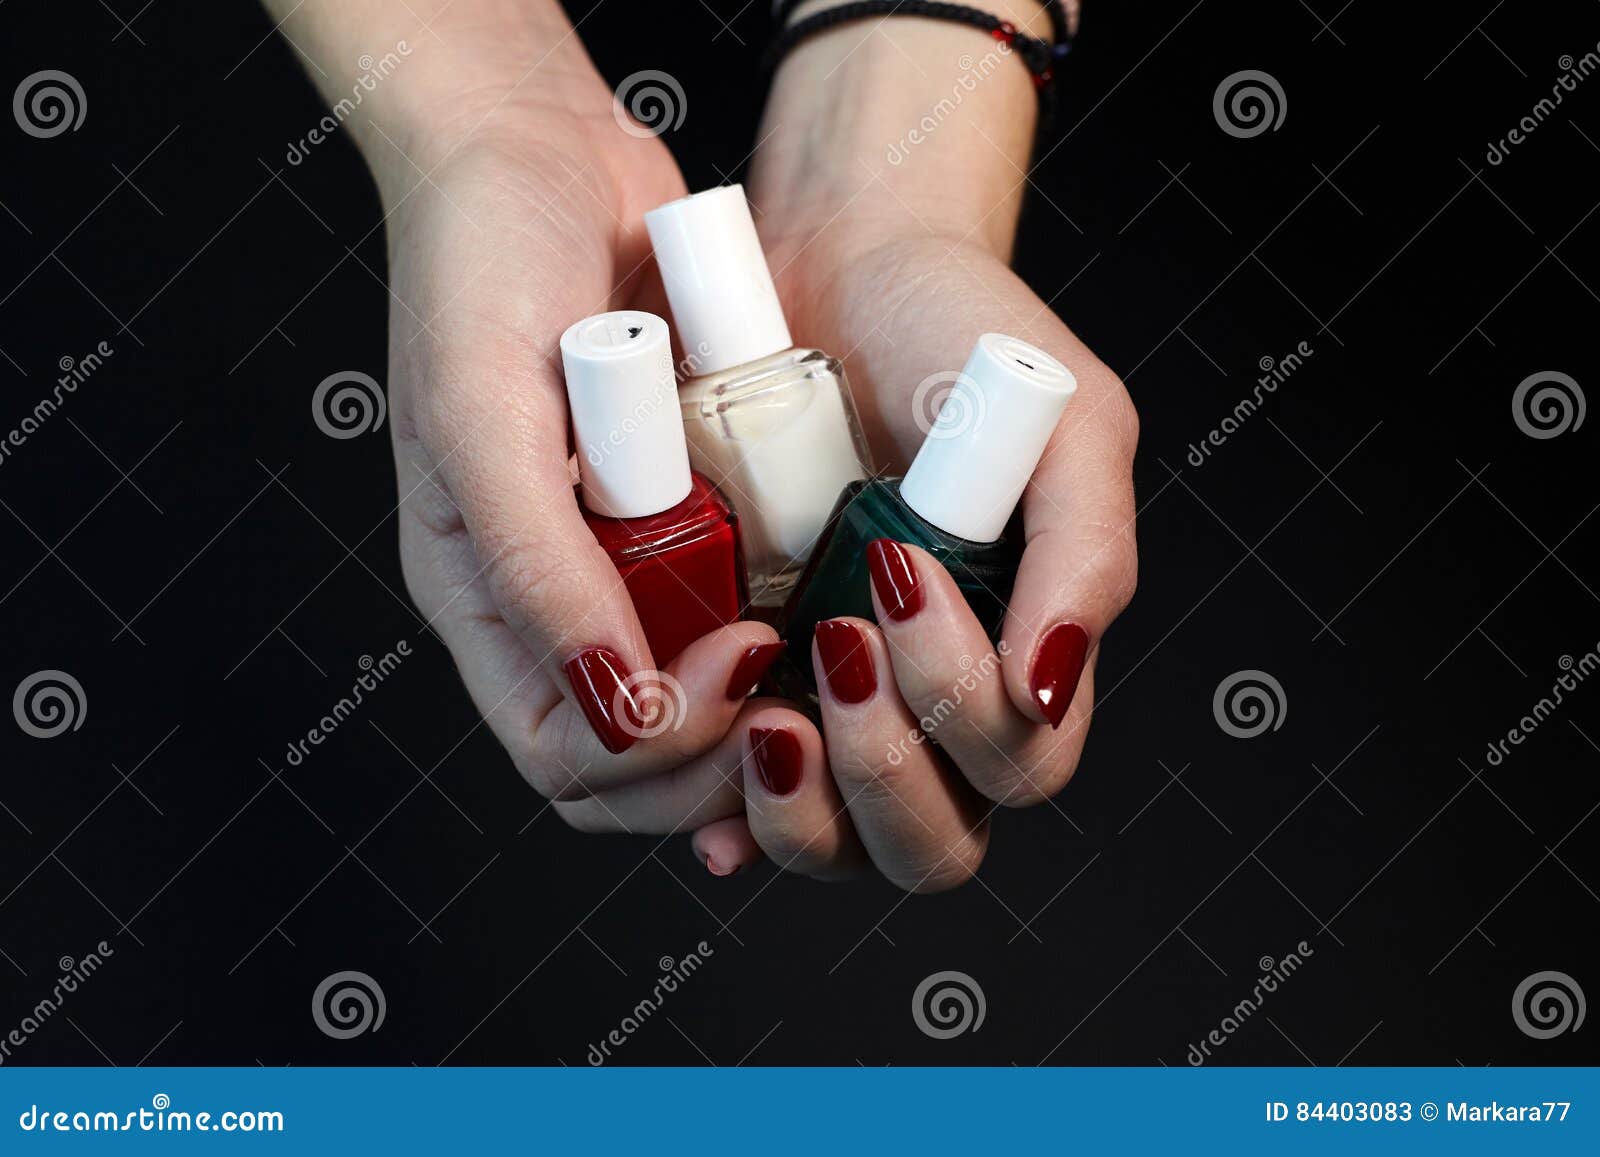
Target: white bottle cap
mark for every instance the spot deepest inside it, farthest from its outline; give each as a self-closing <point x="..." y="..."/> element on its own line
<point x="717" y="280"/>
<point x="991" y="432"/>
<point x="632" y="459"/>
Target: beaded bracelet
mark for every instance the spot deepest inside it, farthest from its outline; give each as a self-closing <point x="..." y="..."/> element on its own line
<point x="1037" y="55"/>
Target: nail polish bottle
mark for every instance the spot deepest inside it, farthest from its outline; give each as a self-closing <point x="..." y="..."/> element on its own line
<point x="770" y="424"/>
<point x="958" y="500"/>
<point x="673" y="539"/>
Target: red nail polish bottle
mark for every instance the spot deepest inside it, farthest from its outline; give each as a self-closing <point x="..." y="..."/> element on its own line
<point x="674" y="541"/>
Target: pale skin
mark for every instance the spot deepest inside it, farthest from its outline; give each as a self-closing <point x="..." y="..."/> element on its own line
<point x="515" y="207"/>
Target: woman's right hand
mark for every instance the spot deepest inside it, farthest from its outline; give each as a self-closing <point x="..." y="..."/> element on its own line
<point x="514" y="198"/>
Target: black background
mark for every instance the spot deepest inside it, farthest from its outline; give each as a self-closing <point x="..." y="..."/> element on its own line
<point x="1382" y="538"/>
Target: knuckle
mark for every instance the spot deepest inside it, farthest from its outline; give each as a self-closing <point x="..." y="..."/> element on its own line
<point x="553" y="780"/>
<point x="956" y="866"/>
<point x="529" y="582"/>
<point x="585" y="816"/>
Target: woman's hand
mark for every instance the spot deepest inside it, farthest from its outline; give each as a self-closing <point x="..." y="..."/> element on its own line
<point x="513" y="210"/>
<point x="892" y="253"/>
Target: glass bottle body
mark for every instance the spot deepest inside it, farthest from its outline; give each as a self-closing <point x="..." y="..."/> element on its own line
<point x="780" y="437"/>
<point x="836" y="581"/>
<point x="683" y="567"/>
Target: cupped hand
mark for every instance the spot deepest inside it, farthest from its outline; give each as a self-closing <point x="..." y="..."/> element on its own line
<point x="515" y="220"/>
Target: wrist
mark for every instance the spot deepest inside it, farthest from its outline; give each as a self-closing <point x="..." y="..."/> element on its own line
<point x="910" y="123"/>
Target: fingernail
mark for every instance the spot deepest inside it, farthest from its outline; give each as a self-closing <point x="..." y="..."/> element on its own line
<point x="717" y="870"/>
<point x="778" y="758"/>
<point x="1057" y="668"/>
<point x="751" y="666"/>
<point x="846" y="661"/>
<point x="894" y="578"/>
<point x="600" y="683"/>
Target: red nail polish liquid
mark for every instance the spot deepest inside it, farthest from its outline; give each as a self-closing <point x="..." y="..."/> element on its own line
<point x="674" y="541"/>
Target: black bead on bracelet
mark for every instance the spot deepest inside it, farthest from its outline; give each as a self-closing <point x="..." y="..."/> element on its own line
<point x="1039" y="56"/>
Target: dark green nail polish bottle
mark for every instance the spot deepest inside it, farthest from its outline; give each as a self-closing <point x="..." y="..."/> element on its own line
<point x="958" y="501"/>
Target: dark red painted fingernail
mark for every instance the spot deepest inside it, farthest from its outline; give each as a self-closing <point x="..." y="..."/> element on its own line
<point x="600" y="683"/>
<point x="894" y="578"/>
<point x="751" y="666"/>
<point x="778" y="758"/>
<point x="1057" y="668"/>
<point x="846" y="661"/>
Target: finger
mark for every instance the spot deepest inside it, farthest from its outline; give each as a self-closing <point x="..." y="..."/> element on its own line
<point x="1080" y="566"/>
<point x="726" y="847"/>
<point x="952" y="680"/>
<point x="792" y="804"/>
<point x="670" y="716"/>
<point x="923" y="826"/>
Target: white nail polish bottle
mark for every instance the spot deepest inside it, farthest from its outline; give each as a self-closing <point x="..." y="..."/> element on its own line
<point x="772" y="426"/>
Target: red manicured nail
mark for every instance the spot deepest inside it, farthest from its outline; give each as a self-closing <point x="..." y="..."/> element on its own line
<point x="894" y="578"/>
<point x="1057" y="668"/>
<point x="846" y="661"/>
<point x="751" y="666"/>
<point x="718" y="870"/>
<point x="600" y="683"/>
<point x="778" y="758"/>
